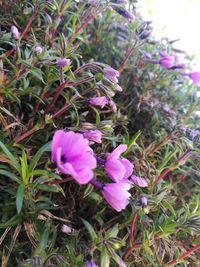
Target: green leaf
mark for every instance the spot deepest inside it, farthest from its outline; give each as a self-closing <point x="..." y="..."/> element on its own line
<point x="38" y="155"/>
<point x="98" y="119"/>
<point x="20" y="197"/>
<point x="13" y="160"/>
<point x="49" y="188"/>
<point x="132" y="142"/>
<point x="37" y="73"/>
<point x="91" y="231"/>
<point x="105" y="259"/>
<point x="10" y="175"/>
<point x="24" y="167"/>
<point x="113" y="232"/>
<point x="43" y="243"/>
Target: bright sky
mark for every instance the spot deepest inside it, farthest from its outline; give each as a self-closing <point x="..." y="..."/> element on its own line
<point x="176" y="19"/>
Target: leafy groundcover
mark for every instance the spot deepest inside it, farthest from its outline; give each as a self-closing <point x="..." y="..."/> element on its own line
<point x="99" y="139"/>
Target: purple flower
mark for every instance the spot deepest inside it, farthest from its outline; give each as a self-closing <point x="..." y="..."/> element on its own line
<point x="111" y="74"/>
<point x="38" y="50"/>
<point x="91" y="263"/>
<point x="66" y="229"/>
<point x="117" y="195"/>
<point x="113" y="105"/>
<point x="73" y="156"/>
<point x="194" y="133"/>
<point x="148" y="56"/>
<point x="139" y="181"/>
<point x="167" y="61"/>
<point x="118" y="168"/>
<point x="123" y="12"/>
<point x="14" y="32"/>
<point x="144" y="201"/>
<point x="100" y="101"/>
<point x="93" y="135"/>
<point x="195" y="77"/>
<point x="62" y="62"/>
<point x="121" y="1"/>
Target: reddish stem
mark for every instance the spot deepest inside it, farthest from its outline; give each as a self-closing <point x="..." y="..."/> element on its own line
<point x="80" y="28"/>
<point x="169" y="137"/>
<point x="183" y="256"/>
<point x="166" y="171"/>
<point x="23" y="136"/>
<point x="9" y="52"/>
<point x="59" y="90"/>
<point x="30" y="21"/>
<point x="133" y="228"/>
<point x="132" y="242"/>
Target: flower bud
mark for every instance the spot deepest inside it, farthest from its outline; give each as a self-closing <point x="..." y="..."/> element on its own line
<point x="15" y="32"/>
<point x="144" y="201"/>
<point x="38" y="50"/>
<point x="63" y="62"/>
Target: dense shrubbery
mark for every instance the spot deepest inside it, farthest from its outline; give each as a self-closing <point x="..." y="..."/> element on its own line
<point x="74" y="202"/>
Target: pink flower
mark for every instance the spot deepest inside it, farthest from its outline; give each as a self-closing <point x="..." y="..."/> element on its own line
<point x="93" y="135"/>
<point x="194" y="133"/>
<point x="195" y="77"/>
<point x="14" y="32"/>
<point x="38" y="50"/>
<point x="139" y="181"/>
<point x="118" y="88"/>
<point x="167" y="61"/>
<point x="100" y="101"/>
<point x="62" y="62"/>
<point x="113" y="105"/>
<point x="111" y="74"/>
<point x="66" y="229"/>
<point x="73" y="156"/>
<point x="116" y="167"/>
<point x="91" y="263"/>
<point x="144" y="201"/>
<point x="117" y="195"/>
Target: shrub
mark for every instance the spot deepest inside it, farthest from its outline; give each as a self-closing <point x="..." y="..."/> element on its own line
<point x="99" y="139"/>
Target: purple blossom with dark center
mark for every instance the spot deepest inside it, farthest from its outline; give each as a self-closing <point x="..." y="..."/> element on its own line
<point x="63" y="62"/>
<point x="15" y="32"/>
<point x="100" y="101"/>
<point x="116" y="167"/>
<point x="73" y="156"/>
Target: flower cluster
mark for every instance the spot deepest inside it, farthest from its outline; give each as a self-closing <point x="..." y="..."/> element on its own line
<point x="73" y="156"/>
<point x="169" y="62"/>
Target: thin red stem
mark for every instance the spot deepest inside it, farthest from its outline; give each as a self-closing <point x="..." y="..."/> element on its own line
<point x="183" y="256"/>
<point x="80" y="28"/>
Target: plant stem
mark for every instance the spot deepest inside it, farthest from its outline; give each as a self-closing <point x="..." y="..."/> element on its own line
<point x="131" y="237"/>
<point x="183" y="256"/>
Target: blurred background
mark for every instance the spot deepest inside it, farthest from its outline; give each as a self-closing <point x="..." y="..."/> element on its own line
<point x="176" y="19"/>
